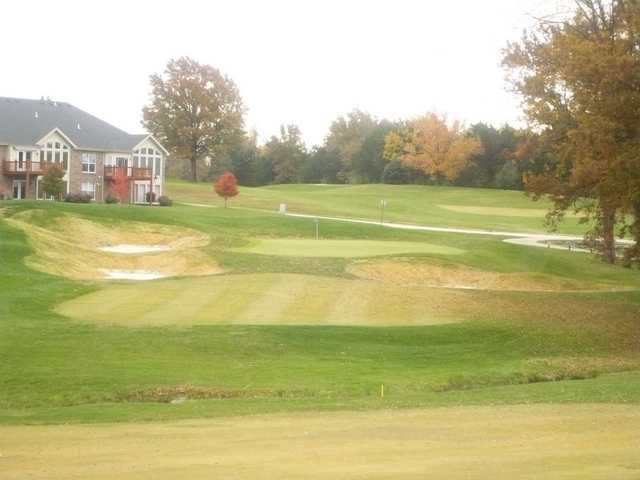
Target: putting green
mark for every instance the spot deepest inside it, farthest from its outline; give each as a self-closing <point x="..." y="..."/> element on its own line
<point x="285" y="299"/>
<point x="295" y="247"/>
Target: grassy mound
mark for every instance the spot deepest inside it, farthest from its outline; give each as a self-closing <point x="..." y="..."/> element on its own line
<point x="417" y="272"/>
<point x="69" y="246"/>
<point x="345" y="248"/>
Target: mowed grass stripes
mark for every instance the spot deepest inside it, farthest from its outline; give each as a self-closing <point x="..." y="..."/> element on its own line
<point x="258" y="299"/>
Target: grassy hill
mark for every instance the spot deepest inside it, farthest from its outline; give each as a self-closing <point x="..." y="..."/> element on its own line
<point x="279" y="330"/>
<point x="480" y="208"/>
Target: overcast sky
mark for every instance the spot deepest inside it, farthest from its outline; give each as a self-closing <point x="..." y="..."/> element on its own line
<point x="302" y="62"/>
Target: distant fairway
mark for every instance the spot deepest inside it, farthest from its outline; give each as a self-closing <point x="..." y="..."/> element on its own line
<point x="480" y="208"/>
<point x="345" y="248"/>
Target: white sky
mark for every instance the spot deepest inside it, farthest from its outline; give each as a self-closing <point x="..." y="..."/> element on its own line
<point x="302" y="62"/>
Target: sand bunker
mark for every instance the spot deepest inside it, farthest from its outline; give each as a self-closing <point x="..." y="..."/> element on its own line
<point x="132" y="274"/>
<point x="77" y="248"/>
<point x="127" y="248"/>
<point x="464" y="277"/>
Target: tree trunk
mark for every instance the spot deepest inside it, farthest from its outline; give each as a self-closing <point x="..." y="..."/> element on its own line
<point x="194" y="169"/>
<point x="607" y="224"/>
<point x="225" y="202"/>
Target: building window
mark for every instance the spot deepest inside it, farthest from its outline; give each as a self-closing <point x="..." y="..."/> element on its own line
<point x="148" y="158"/>
<point x="89" y="188"/>
<point x="56" y="152"/>
<point x="88" y="163"/>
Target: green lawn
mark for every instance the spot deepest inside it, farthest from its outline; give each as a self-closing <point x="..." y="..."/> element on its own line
<point x="426" y="205"/>
<point x="496" y="347"/>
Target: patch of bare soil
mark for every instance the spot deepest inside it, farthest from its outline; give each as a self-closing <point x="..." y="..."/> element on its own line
<point x="417" y="272"/>
<point x="70" y="246"/>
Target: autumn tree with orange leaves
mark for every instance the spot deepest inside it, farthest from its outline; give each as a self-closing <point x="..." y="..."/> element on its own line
<point x="226" y="186"/>
<point x="432" y="145"/>
<point x="579" y="78"/>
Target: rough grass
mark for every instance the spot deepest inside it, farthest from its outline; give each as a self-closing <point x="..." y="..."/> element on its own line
<point x="412" y="271"/>
<point x="473" y="443"/>
<point x="293" y="247"/>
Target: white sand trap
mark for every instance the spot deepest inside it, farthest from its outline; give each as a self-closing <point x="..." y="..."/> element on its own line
<point x="131" y="274"/>
<point x="129" y="248"/>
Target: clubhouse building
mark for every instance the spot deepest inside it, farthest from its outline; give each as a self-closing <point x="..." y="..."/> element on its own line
<point x="35" y="134"/>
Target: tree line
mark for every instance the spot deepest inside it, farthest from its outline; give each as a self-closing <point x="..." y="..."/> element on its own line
<point x="579" y="80"/>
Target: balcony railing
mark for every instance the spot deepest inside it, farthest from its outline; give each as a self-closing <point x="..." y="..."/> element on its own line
<point x="20" y="167"/>
<point x="134" y="173"/>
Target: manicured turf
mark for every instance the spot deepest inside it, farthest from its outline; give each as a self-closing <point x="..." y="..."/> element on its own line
<point x="426" y="205"/>
<point x="257" y="299"/>
<point x="344" y="248"/>
<point x="505" y="348"/>
<point x="545" y="442"/>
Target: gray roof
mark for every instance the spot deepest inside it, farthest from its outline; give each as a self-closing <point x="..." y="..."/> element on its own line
<point x="19" y="125"/>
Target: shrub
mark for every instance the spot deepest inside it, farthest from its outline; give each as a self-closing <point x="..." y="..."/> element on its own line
<point x="110" y="199"/>
<point x="150" y="197"/>
<point x="165" y="201"/>
<point x="77" y="198"/>
<point x="52" y="183"/>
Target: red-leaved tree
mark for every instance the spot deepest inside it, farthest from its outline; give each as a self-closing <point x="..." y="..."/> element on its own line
<point x="120" y="185"/>
<point x="226" y="186"/>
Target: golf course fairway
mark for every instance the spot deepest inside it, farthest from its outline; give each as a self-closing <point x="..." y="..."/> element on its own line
<point x="542" y="442"/>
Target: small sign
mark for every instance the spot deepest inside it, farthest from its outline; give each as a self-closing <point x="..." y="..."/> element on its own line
<point x="283" y="208"/>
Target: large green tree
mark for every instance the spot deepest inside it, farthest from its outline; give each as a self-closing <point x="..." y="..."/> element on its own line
<point x="195" y="111"/>
<point x="347" y="135"/>
<point x="286" y="153"/>
<point x="491" y="166"/>
<point x="579" y="78"/>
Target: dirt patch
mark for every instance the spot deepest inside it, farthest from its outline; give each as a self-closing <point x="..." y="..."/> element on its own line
<point x="416" y="272"/>
<point x="71" y="246"/>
